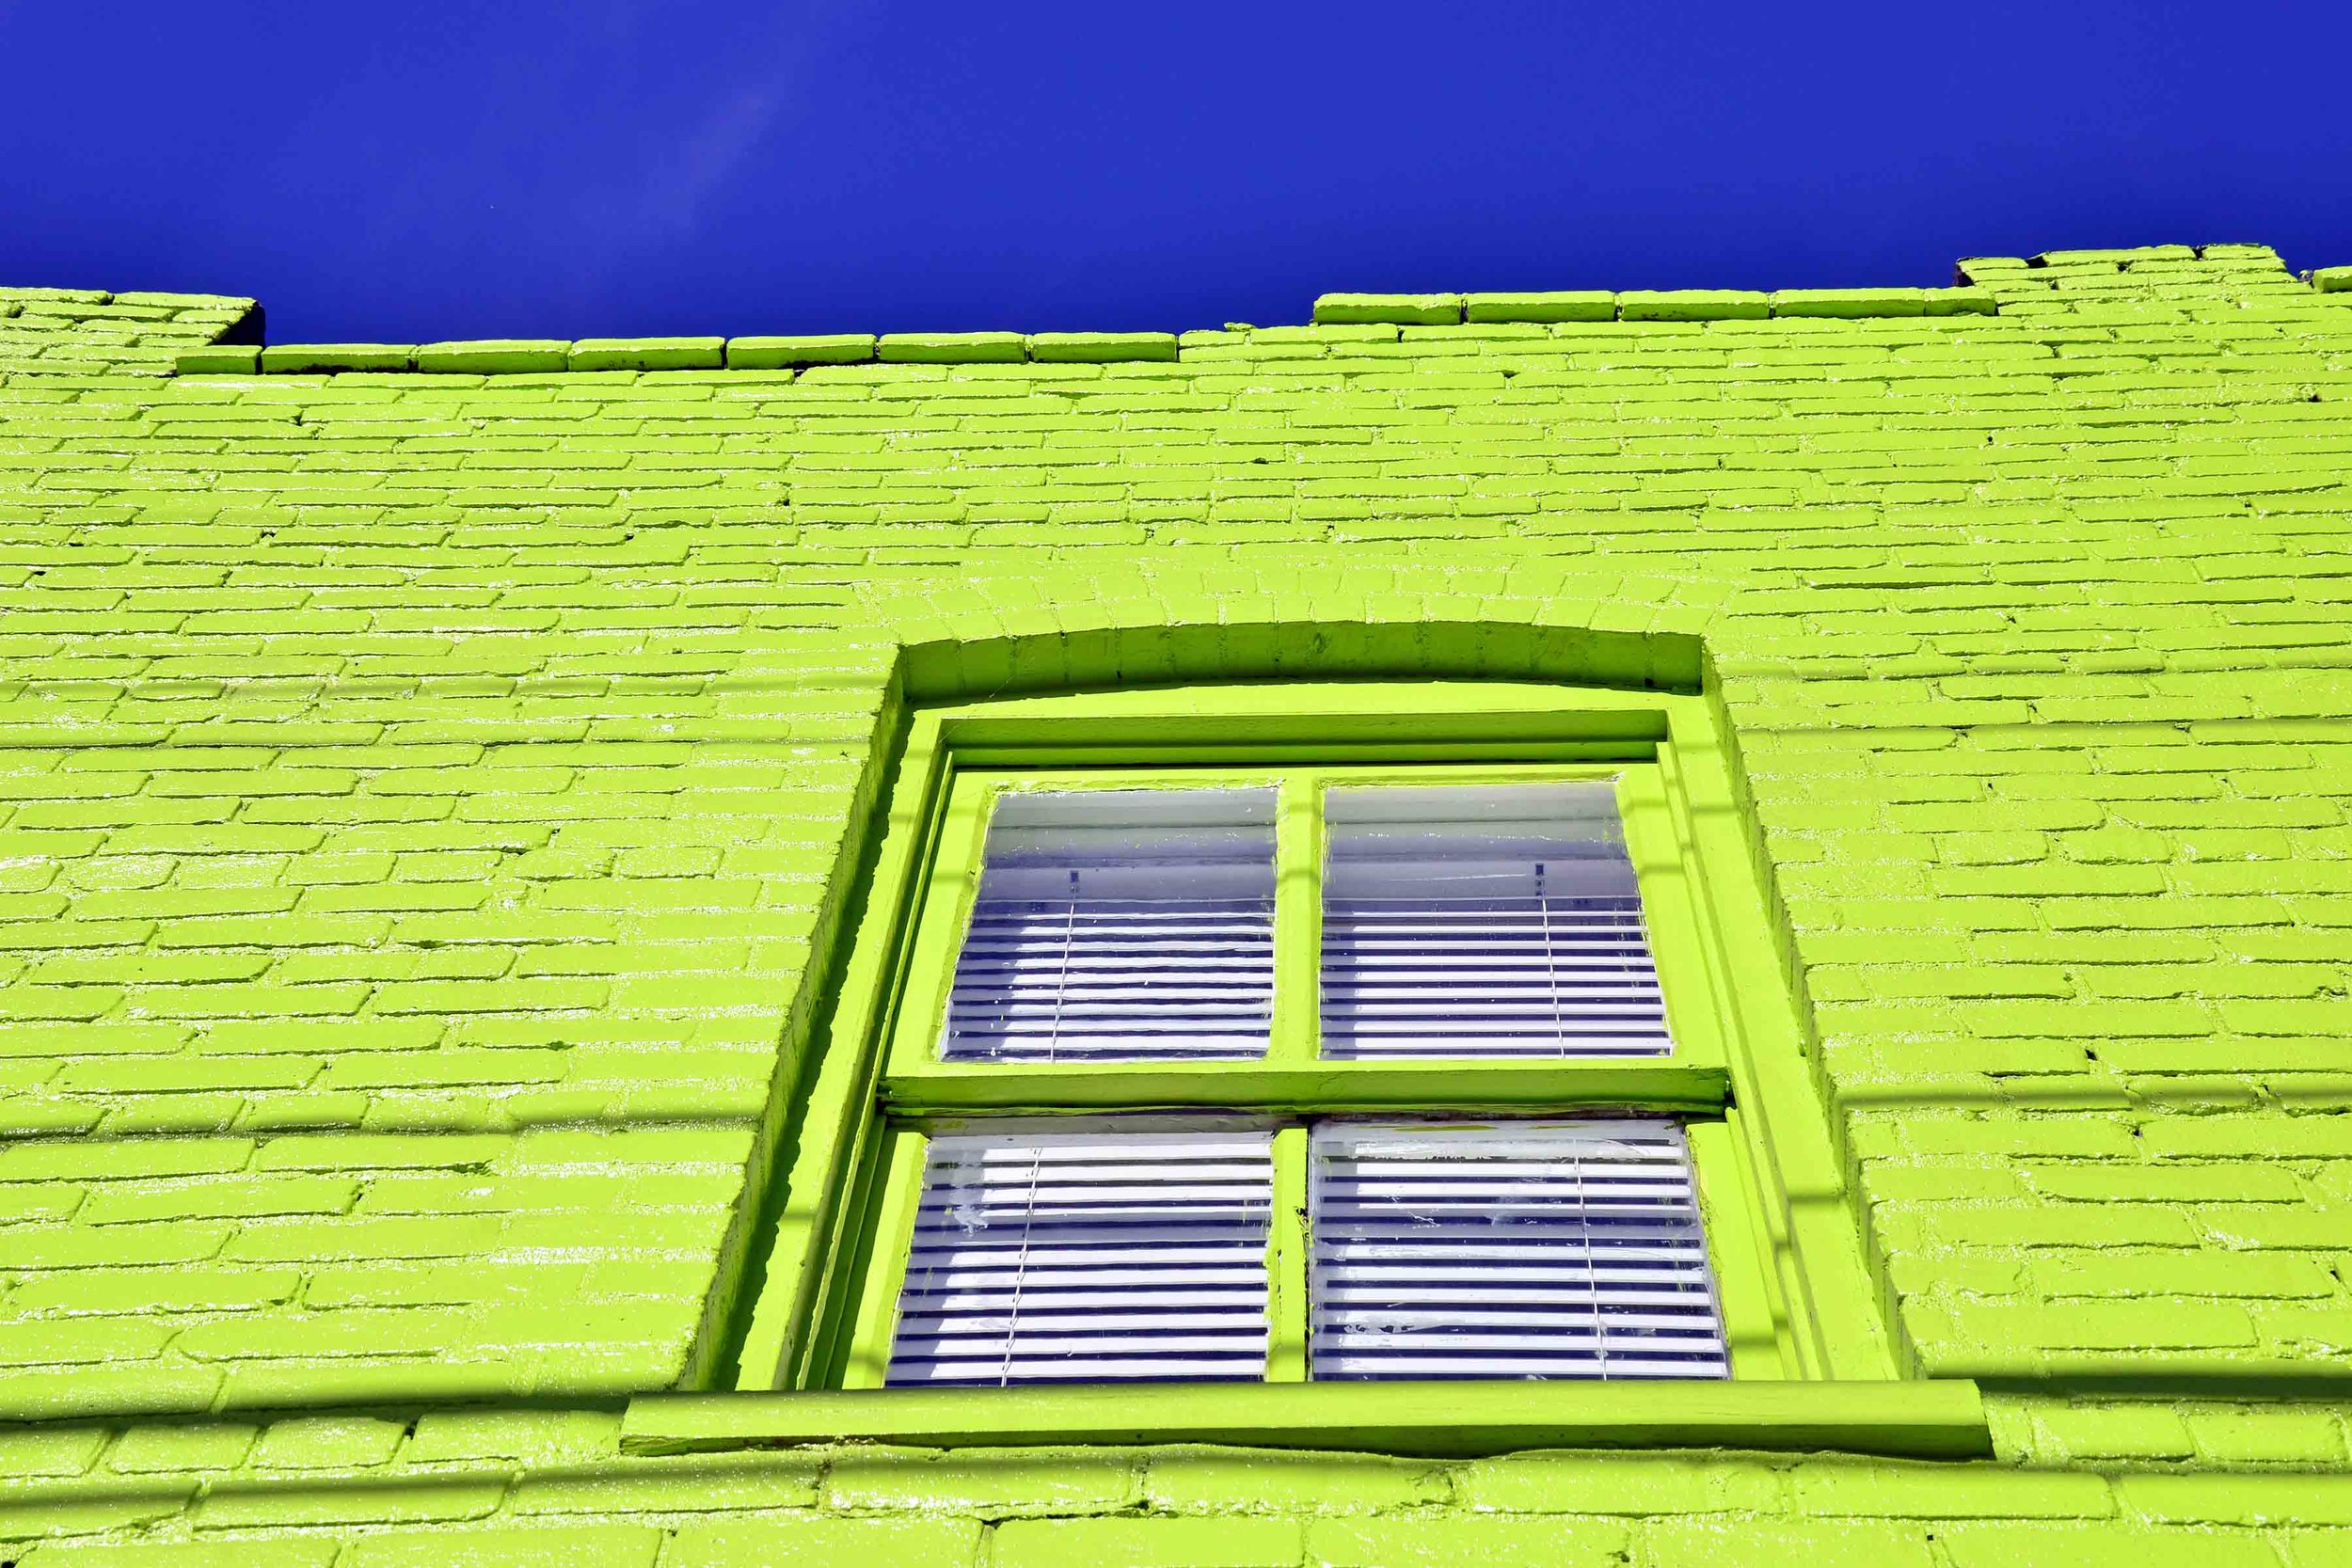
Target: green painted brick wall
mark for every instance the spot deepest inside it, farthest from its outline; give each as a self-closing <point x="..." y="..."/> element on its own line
<point x="425" y="795"/>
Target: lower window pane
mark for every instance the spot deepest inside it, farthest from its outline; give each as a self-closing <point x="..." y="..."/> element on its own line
<point x="1562" y="1249"/>
<point x="1058" y="1254"/>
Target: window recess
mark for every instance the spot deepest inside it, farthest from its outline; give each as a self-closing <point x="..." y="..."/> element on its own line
<point x="1312" y="1048"/>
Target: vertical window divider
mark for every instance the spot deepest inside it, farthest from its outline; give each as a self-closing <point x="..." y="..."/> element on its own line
<point x="1288" y="1260"/>
<point x="1757" y="1331"/>
<point x="900" y="1181"/>
<point x="1297" y="922"/>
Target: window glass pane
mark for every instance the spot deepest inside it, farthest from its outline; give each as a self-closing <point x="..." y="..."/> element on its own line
<point x="1483" y="921"/>
<point x="1115" y="1253"/>
<point x="1537" y="1250"/>
<point x="1120" y="925"/>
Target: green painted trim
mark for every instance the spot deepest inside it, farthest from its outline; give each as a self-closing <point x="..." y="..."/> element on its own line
<point x="949" y="883"/>
<point x="220" y="359"/>
<point x="1807" y="1208"/>
<point x="1076" y="665"/>
<point x="1755" y="1317"/>
<point x="770" y="353"/>
<point x="840" y="1098"/>
<point x="494" y="356"/>
<point x="1289" y="1259"/>
<point x="883" y="1267"/>
<point x="1554" y="305"/>
<point x="1658" y="846"/>
<point x="647" y="354"/>
<point x="1305" y="734"/>
<point x="1941" y="1419"/>
<point x="1297" y="1031"/>
<point x="1695" y="852"/>
<point x="334" y="358"/>
<point x="1452" y="1084"/>
<point x="1387" y="310"/>
<point x="951" y="348"/>
<point x="1101" y="348"/>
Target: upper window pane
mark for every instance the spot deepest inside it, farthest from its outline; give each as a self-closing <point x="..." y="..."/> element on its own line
<point x="1488" y="920"/>
<point x="1121" y="925"/>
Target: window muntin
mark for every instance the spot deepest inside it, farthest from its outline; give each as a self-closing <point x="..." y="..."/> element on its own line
<point x="1119" y="925"/>
<point x="1483" y="921"/>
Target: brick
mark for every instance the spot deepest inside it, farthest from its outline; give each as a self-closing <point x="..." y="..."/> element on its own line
<point x="1850" y="302"/>
<point x="57" y="1450"/>
<point x="329" y="358"/>
<point x="1990" y="1545"/>
<point x="1571" y="304"/>
<point x="2303" y="1437"/>
<point x="1101" y="347"/>
<point x="1396" y="310"/>
<point x="617" y="1545"/>
<point x="1947" y="1491"/>
<point x="819" y="1543"/>
<point x="1693" y="304"/>
<point x="1216" y="1481"/>
<point x="704" y="1485"/>
<point x="1608" y="1484"/>
<point x="777" y="353"/>
<point x="247" y="1552"/>
<point x="1012" y="1481"/>
<point x="327" y="1442"/>
<point x="951" y="348"/>
<point x="220" y="359"/>
<point x="1706" y="1543"/>
<point x="647" y="354"/>
<point x="318" y="1503"/>
<point x="493" y="356"/>
<point x="1438" y="1542"/>
<point x="537" y="1436"/>
<point x="2237" y="1499"/>
<point x="150" y="1448"/>
<point x="1147" y="1542"/>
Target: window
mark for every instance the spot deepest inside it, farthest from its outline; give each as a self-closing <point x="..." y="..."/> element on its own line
<point x="1375" y="1035"/>
<point x="1331" y="925"/>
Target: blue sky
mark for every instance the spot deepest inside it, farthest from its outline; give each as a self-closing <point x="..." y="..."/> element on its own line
<point x="607" y="166"/>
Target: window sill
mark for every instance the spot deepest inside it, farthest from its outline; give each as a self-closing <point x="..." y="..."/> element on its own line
<point x="1939" y="1419"/>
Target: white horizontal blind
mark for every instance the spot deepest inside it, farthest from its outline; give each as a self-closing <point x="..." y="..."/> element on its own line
<point x="1120" y="925"/>
<point x="1487" y="921"/>
<point x="1110" y="1254"/>
<point x="1562" y="1249"/>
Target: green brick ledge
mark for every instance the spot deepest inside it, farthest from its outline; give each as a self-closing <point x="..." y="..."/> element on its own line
<point x="519" y="356"/>
<point x="1943" y="1418"/>
<point x="792" y="353"/>
<point x="1640" y="305"/>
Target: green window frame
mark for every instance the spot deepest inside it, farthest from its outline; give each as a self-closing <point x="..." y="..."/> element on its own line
<point x="1293" y="1083"/>
<point x="1799" y="1302"/>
